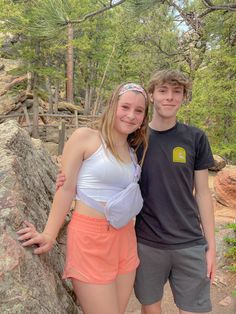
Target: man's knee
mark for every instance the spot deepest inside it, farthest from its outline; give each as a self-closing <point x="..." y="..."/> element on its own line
<point x="154" y="308"/>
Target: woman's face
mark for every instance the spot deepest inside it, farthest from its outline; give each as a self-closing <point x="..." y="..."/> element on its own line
<point x="130" y="112"/>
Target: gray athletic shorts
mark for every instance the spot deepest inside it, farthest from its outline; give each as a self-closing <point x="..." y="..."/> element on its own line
<point x="186" y="271"/>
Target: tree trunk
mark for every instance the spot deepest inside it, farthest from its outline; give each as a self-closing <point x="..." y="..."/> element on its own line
<point x="87" y="102"/>
<point x="35" y="131"/>
<point x="88" y="99"/>
<point x="29" y="82"/>
<point x="96" y="108"/>
<point x="70" y="65"/>
<point x="50" y="99"/>
<point x="56" y="99"/>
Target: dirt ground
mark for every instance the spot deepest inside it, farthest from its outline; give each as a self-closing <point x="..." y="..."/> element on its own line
<point x="225" y="282"/>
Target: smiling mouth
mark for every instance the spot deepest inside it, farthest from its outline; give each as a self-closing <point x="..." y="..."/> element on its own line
<point x="168" y="106"/>
<point x="129" y="124"/>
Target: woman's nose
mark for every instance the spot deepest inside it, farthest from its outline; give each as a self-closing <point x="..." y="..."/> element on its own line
<point x="131" y="115"/>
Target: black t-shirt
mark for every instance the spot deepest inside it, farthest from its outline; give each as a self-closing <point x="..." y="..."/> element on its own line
<point x="170" y="217"/>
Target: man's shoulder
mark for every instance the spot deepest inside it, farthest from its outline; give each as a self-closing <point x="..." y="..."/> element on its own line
<point x="190" y="130"/>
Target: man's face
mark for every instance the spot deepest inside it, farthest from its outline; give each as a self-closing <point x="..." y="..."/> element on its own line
<point x="167" y="100"/>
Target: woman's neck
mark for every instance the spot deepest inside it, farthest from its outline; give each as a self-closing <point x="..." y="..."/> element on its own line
<point x="120" y="140"/>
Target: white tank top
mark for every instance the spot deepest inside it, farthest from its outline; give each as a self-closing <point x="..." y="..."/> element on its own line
<point x="101" y="175"/>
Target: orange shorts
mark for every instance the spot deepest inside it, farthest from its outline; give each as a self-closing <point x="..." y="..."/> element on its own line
<point x="97" y="252"/>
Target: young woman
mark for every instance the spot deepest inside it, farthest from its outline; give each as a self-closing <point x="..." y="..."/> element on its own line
<point x="99" y="164"/>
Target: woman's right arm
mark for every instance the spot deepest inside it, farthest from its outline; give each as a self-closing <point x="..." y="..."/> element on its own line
<point x="72" y="158"/>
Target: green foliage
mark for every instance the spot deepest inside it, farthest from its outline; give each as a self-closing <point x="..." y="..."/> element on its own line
<point x="230" y="241"/>
<point x="231" y="226"/>
<point x="213" y="105"/>
<point x="231" y="251"/>
<point x="127" y="44"/>
<point x="16" y="89"/>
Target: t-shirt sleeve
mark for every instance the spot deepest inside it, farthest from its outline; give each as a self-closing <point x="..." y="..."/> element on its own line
<point x="204" y="158"/>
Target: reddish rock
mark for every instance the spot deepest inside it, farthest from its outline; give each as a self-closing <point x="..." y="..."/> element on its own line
<point x="225" y="186"/>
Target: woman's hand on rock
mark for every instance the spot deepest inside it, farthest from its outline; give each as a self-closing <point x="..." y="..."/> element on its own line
<point x="30" y="236"/>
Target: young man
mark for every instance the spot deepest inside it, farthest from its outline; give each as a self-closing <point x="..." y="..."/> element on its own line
<point x="175" y="229"/>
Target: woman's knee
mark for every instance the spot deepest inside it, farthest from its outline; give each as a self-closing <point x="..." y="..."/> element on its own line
<point x="104" y="297"/>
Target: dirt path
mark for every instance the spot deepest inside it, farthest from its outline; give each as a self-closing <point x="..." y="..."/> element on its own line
<point x="225" y="281"/>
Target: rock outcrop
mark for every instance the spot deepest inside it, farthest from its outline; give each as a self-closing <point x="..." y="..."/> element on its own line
<point x="219" y="163"/>
<point x="28" y="283"/>
<point x="225" y="187"/>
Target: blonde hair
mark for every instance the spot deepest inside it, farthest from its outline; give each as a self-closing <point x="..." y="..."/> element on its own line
<point x="107" y="122"/>
<point x="173" y="77"/>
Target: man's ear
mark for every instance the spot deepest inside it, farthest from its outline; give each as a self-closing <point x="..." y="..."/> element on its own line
<point x="150" y="97"/>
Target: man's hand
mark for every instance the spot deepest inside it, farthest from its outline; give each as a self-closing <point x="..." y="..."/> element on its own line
<point x="211" y="264"/>
<point x="60" y="180"/>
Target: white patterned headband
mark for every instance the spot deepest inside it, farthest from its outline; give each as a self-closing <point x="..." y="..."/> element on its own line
<point x="132" y="87"/>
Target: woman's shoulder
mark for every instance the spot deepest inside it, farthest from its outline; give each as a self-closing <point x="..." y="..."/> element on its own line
<point x="86" y="140"/>
<point x="85" y="133"/>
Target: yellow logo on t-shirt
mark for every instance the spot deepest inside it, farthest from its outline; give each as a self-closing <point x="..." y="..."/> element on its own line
<point x="179" y="155"/>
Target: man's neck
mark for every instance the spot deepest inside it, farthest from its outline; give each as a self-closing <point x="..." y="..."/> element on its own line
<point x="160" y="124"/>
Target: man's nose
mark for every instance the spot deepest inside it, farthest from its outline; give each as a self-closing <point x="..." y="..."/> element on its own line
<point x="169" y="95"/>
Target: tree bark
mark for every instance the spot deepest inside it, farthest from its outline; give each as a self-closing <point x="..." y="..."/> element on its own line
<point x="56" y="99"/>
<point x="70" y="65"/>
<point x="35" y="132"/>
<point x="98" y="99"/>
<point x="50" y="98"/>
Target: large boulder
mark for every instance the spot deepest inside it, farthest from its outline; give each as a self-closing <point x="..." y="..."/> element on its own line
<point x="28" y="283"/>
<point x="219" y="163"/>
<point x="225" y="186"/>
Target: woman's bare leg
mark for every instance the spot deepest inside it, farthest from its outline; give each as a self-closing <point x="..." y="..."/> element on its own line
<point x="124" y="284"/>
<point x="96" y="299"/>
<point x="105" y="298"/>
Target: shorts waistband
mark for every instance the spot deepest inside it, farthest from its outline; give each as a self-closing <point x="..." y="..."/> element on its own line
<point x="93" y="224"/>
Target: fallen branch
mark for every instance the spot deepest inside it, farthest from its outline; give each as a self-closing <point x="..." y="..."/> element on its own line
<point x="13" y="83"/>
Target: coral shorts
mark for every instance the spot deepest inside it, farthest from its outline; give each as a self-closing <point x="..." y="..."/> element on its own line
<point x="96" y="252"/>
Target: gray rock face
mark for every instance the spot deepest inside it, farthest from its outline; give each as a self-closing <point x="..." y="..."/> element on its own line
<point x="28" y="283"/>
